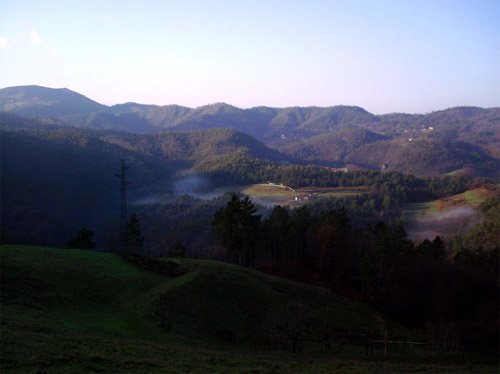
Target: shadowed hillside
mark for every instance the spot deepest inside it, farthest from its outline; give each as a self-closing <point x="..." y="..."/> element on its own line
<point x="56" y="179"/>
<point x="449" y="140"/>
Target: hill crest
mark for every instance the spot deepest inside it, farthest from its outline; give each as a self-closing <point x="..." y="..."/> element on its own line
<point x="38" y="101"/>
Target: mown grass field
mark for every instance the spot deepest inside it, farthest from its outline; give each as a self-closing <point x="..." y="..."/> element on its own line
<point x="274" y="194"/>
<point x="75" y="311"/>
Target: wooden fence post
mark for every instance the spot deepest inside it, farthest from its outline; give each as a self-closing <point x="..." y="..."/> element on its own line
<point x="385" y="342"/>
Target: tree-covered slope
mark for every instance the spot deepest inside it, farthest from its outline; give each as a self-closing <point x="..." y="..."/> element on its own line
<point x="332" y="147"/>
<point x="129" y="122"/>
<point x="37" y="101"/>
<point x="160" y="116"/>
<point x="461" y="137"/>
<point x="423" y="156"/>
<point x="196" y="145"/>
<point x="56" y="181"/>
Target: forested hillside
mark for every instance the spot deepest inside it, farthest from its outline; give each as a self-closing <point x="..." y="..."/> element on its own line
<point x="455" y="139"/>
<point x="56" y="181"/>
<point x="37" y="101"/>
<point x="196" y="145"/>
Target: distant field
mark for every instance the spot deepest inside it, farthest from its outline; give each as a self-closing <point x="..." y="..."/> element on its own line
<point x="268" y="194"/>
<point x="471" y="198"/>
<point x="447" y="216"/>
<point x="74" y="311"/>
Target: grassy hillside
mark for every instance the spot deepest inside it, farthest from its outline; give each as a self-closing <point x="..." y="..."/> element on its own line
<point x="101" y="293"/>
<point x="448" y="216"/>
<point x="74" y="289"/>
<point x="470" y="198"/>
<point x="80" y="311"/>
<point x="273" y="194"/>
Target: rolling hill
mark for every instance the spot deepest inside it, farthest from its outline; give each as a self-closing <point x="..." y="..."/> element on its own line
<point x="332" y="147"/>
<point x="196" y="145"/>
<point x="37" y="101"/>
<point x="73" y="311"/>
<point x="424" y="156"/>
<point x="70" y="307"/>
<point x="107" y="121"/>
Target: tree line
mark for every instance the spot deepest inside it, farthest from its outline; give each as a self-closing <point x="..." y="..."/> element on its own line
<point x="453" y="298"/>
<point x="237" y="168"/>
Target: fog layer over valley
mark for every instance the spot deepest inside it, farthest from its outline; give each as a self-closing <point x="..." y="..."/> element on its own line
<point x="446" y="223"/>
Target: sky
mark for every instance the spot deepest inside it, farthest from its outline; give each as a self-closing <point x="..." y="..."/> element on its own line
<point x="412" y="56"/>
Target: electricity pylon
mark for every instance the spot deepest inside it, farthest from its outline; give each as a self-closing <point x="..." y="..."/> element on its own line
<point x="123" y="197"/>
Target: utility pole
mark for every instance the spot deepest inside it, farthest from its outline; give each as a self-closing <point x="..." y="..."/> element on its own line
<point x="123" y="197"/>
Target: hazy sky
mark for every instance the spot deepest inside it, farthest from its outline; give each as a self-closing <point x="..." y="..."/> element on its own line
<point x="385" y="56"/>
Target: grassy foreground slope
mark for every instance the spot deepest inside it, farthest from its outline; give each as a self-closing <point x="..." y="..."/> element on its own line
<point x="100" y="293"/>
<point x="81" y="311"/>
<point x="74" y="289"/>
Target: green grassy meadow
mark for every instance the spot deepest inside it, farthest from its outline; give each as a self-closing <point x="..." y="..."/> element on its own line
<point x="470" y="198"/>
<point x="445" y="217"/>
<point x="269" y="194"/>
<point x="75" y="311"/>
<point x="275" y="194"/>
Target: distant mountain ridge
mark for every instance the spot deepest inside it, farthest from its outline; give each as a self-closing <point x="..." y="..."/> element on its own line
<point x="37" y="101"/>
<point x="448" y="140"/>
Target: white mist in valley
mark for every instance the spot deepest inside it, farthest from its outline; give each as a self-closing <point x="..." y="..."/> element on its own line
<point x="445" y="223"/>
<point x="191" y="184"/>
<point x="187" y="183"/>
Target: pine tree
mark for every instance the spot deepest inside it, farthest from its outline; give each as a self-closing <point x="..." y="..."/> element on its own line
<point x="277" y="227"/>
<point x="131" y="238"/>
<point x="236" y="227"/>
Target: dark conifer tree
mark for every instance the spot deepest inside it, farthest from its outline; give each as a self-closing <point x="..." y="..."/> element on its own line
<point x="277" y="229"/>
<point x="131" y="238"/>
<point x="333" y="238"/>
<point x="300" y="226"/>
<point x="236" y="226"/>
